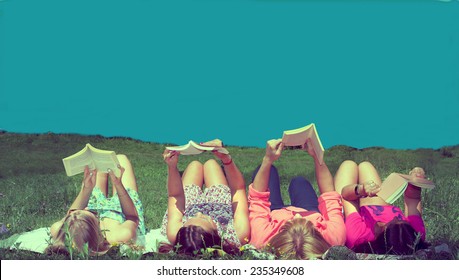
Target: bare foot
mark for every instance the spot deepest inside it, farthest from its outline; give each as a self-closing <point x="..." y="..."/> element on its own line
<point x="418" y="172"/>
<point x="413" y="191"/>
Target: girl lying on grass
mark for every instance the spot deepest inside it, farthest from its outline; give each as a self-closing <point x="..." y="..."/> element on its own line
<point x="98" y="220"/>
<point x="307" y="228"/>
<point x="217" y="217"/>
<point x="372" y="225"/>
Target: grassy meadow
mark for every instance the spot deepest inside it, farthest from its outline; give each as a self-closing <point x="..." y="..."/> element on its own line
<point x="35" y="191"/>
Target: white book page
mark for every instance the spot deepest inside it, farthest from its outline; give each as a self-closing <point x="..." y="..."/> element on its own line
<point x="75" y="165"/>
<point x="105" y="161"/>
<point x="187" y="149"/>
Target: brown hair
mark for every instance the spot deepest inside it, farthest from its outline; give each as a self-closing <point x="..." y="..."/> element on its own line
<point x="79" y="228"/>
<point x="397" y="237"/>
<point x="298" y="239"/>
<point x="190" y="240"/>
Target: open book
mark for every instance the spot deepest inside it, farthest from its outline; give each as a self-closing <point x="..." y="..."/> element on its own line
<point x="297" y="137"/>
<point x="92" y="157"/>
<point x="395" y="185"/>
<point x="193" y="148"/>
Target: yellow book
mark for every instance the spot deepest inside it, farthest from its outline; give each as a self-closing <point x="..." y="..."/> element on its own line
<point x="193" y="148"/>
<point x="94" y="158"/>
<point x="297" y="137"/>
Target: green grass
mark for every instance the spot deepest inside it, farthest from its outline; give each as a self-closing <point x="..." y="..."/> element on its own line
<point x="35" y="192"/>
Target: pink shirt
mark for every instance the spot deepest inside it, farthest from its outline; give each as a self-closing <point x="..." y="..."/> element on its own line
<point x="360" y="225"/>
<point x="265" y="224"/>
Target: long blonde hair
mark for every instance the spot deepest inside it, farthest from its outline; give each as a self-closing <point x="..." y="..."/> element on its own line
<point x="298" y="239"/>
<point x="79" y="228"/>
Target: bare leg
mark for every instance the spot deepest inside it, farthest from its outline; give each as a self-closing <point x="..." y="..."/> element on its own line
<point x="102" y="182"/>
<point x="128" y="178"/>
<point x="368" y="172"/>
<point x="213" y="174"/>
<point x="193" y="174"/>
<point x="347" y="174"/>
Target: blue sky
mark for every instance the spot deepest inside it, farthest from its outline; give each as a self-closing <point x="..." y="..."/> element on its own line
<point x="367" y="73"/>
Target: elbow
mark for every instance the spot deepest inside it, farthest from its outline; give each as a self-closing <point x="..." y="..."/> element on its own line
<point x="126" y="235"/>
<point x="243" y="233"/>
<point x="237" y="186"/>
<point x="134" y="219"/>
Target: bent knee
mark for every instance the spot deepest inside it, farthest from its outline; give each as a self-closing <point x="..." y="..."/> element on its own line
<point x="348" y="164"/>
<point x="300" y="180"/>
<point x="211" y="162"/>
<point x="195" y="164"/>
<point x="365" y="165"/>
<point x="122" y="159"/>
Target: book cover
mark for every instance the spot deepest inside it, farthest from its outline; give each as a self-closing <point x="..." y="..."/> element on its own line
<point x="92" y="157"/>
<point x="297" y="137"/>
<point x="193" y="148"/>
<point x="395" y="185"/>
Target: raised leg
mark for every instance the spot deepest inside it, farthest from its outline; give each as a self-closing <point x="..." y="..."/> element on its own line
<point x="275" y="196"/>
<point x="347" y="174"/>
<point x="193" y="174"/>
<point x="102" y="182"/>
<point x="302" y="194"/>
<point x="367" y="172"/>
<point x="213" y="174"/>
<point x="128" y="178"/>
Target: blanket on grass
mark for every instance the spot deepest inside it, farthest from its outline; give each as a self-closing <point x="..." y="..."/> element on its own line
<point x="37" y="241"/>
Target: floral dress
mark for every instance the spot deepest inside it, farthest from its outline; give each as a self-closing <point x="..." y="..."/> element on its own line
<point x="214" y="202"/>
<point x="110" y="207"/>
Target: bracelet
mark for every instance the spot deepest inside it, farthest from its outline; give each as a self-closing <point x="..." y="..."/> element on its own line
<point x="356" y="190"/>
<point x="231" y="161"/>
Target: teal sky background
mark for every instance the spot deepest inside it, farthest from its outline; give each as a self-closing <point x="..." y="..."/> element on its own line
<point x="367" y="73"/>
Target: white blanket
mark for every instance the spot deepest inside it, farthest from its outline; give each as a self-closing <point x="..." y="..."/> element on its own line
<point x="37" y="241"/>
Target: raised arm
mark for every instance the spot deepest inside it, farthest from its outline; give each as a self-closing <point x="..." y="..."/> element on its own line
<point x="233" y="175"/>
<point x="81" y="201"/>
<point x="323" y="175"/>
<point x="236" y="184"/>
<point x="273" y="152"/>
<point x="127" y="206"/>
<point x="239" y="199"/>
<point x="176" y="195"/>
<point x="128" y="229"/>
<point x="89" y="181"/>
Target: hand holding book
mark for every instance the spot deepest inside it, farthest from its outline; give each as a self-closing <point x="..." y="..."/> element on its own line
<point x="116" y="181"/>
<point x="397" y="184"/>
<point x="92" y="158"/>
<point x="171" y="157"/>
<point x="219" y="151"/>
<point x="309" y="147"/>
<point x="89" y="180"/>
<point x="193" y="148"/>
<point x="274" y="149"/>
<point x="299" y="136"/>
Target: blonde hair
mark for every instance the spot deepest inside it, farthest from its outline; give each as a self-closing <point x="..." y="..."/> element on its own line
<point x="298" y="239"/>
<point x="79" y="228"/>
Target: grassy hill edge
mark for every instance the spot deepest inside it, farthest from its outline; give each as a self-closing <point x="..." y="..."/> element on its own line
<point x="35" y="190"/>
